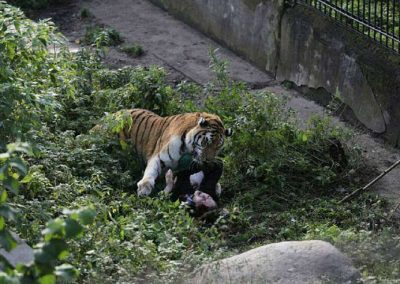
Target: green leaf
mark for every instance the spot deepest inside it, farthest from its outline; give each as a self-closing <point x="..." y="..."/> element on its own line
<point x="47" y="279"/>
<point x="4" y="156"/>
<point x="72" y="228"/>
<point x="51" y="251"/>
<point x="2" y="223"/>
<point x="11" y="184"/>
<point x="11" y="50"/>
<point x="18" y="164"/>
<point x="20" y="147"/>
<point x="54" y="227"/>
<point x="63" y="255"/>
<point x="123" y="144"/>
<point x="4" y="171"/>
<point x="7" y="241"/>
<point x="42" y="256"/>
<point x="3" y="196"/>
<point x="67" y="272"/>
<point x="27" y="178"/>
<point x="8" y="212"/>
<point x="7" y="279"/>
<point x="86" y="216"/>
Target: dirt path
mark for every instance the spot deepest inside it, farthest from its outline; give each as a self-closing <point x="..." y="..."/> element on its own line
<point x="183" y="52"/>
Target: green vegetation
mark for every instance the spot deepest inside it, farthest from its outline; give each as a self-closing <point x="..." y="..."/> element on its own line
<point x="102" y="37"/>
<point x="32" y="4"/>
<point x="134" y="50"/>
<point x="85" y="13"/>
<point x="50" y="253"/>
<point x="280" y="182"/>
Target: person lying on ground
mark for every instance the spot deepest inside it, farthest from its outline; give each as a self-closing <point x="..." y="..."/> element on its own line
<point x="195" y="184"/>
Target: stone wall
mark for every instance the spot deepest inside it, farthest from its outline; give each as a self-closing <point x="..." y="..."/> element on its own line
<point x="298" y="44"/>
<point x="250" y="28"/>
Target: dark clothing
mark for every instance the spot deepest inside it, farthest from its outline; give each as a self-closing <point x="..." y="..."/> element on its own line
<point x="212" y="173"/>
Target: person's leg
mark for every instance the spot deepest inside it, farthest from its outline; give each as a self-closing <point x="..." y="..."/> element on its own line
<point x="182" y="185"/>
<point x="212" y="173"/>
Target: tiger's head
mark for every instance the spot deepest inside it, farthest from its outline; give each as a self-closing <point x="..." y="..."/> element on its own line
<point x="206" y="139"/>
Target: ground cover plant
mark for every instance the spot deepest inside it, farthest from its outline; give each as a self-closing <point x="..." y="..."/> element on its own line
<point x="102" y="37"/>
<point x="280" y="182"/>
<point x="33" y="4"/>
<point x="134" y="50"/>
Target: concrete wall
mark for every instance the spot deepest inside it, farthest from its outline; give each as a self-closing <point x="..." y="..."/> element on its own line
<point x="299" y="45"/>
<point x="250" y="28"/>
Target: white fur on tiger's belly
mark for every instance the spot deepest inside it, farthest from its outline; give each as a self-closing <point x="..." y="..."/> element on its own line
<point x="196" y="179"/>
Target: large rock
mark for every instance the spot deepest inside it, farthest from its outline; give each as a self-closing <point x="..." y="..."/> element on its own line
<point x="285" y="262"/>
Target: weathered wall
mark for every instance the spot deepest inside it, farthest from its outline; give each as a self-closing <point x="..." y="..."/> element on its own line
<point x="248" y="27"/>
<point x="299" y="45"/>
<point x="315" y="59"/>
<point x="316" y="53"/>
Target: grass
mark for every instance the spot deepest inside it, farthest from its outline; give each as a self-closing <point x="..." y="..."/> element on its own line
<point x="134" y="50"/>
<point x="280" y="182"/>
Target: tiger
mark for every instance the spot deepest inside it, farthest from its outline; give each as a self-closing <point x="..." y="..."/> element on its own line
<point x="161" y="141"/>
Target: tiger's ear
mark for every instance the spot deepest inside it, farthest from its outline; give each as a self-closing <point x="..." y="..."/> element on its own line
<point x="202" y="122"/>
<point x="228" y="132"/>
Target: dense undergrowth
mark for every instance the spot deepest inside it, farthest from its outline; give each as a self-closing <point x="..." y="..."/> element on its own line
<point x="280" y="182"/>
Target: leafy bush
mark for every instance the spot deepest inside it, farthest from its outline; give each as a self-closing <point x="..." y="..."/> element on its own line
<point x="134" y="50"/>
<point x="283" y="177"/>
<point x="44" y="268"/>
<point x="12" y="170"/>
<point x="85" y="13"/>
<point x="33" y="4"/>
<point x="102" y="37"/>
<point x="27" y="94"/>
<point x="376" y="255"/>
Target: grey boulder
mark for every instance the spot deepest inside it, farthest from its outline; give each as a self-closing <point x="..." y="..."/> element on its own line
<point x="285" y="262"/>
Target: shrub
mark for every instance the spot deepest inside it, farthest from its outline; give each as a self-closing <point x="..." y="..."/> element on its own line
<point x="85" y="13"/>
<point x="134" y="50"/>
<point x="102" y="37"/>
<point x="46" y="267"/>
<point x="32" y="4"/>
<point x="28" y="74"/>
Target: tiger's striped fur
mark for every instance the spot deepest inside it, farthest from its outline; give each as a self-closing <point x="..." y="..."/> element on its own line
<point x="161" y="141"/>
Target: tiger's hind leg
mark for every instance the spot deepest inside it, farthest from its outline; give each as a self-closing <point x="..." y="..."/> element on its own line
<point x="146" y="184"/>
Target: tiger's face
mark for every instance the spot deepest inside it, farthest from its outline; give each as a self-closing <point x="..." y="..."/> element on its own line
<point x="208" y="138"/>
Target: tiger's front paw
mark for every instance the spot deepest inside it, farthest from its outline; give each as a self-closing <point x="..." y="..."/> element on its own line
<point x="169" y="181"/>
<point x="144" y="187"/>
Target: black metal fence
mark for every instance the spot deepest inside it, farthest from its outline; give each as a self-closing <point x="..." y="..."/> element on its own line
<point x="378" y="19"/>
